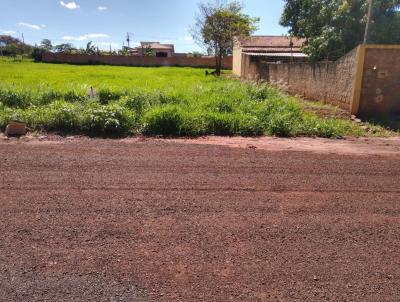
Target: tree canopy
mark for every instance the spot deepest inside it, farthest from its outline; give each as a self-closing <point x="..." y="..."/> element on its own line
<point x="218" y="23"/>
<point x="10" y="46"/>
<point x="64" y="48"/>
<point x="334" y="27"/>
<point x="46" y="45"/>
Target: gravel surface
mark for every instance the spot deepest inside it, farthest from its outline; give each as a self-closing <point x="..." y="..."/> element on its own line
<point x="152" y="220"/>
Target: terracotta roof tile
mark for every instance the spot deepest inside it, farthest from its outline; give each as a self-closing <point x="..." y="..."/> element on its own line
<point x="271" y="49"/>
<point x="157" y="45"/>
<point x="270" y="41"/>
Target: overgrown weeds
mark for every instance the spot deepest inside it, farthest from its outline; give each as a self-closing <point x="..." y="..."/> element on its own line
<point x="154" y="101"/>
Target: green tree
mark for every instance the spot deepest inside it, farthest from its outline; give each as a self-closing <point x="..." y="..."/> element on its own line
<point x="64" y="48"/>
<point x="217" y="25"/>
<point x="334" y="27"/>
<point x="37" y="54"/>
<point x="14" y="49"/>
<point x="46" y="45"/>
<point x="148" y="51"/>
<point x="91" y="49"/>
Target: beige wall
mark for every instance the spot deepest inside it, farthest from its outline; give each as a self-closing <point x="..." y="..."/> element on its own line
<point x="331" y="82"/>
<point x="365" y="82"/>
<point x="237" y="60"/>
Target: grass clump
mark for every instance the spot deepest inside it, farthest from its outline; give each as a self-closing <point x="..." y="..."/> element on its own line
<point x="90" y="118"/>
<point x="172" y="120"/>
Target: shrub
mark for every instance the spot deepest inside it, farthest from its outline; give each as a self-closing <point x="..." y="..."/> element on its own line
<point x="107" y="95"/>
<point x="221" y="123"/>
<point x="111" y="119"/>
<point x="250" y="126"/>
<point x="14" y="97"/>
<point x="165" y="120"/>
<point x="75" y="96"/>
<point x="46" y="96"/>
<point x="329" y="128"/>
<point x="138" y="101"/>
<point x="221" y="105"/>
<point x="282" y="125"/>
<point x="37" y="54"/>
<point x="6" y="115"/>
<point x="64" y="117"/>
<point x="259" y="92"/>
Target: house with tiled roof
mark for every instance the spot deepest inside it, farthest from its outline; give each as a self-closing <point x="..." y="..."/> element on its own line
<point x="155" y="49"/>
<point x="269" y="49"/>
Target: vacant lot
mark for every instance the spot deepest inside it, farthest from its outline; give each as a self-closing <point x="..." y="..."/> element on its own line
<point x="159" y="220"/>
<point x="156" y="101"/>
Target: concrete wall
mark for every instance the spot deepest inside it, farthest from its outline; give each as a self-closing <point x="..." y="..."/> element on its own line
<point x="331" y="82"/>
<point x="366" y="81"/>
<point x="254" y="69"/>
<point x="207" y="62"/>
<point x="237" y="60"/>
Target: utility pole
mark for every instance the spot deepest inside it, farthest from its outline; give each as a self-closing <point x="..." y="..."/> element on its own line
<point x="23" y="44"/>
<point x="128" y="39"/>
<point x="369" y="20"/>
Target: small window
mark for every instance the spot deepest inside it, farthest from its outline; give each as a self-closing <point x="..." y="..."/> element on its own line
<point x="162" y="54"/>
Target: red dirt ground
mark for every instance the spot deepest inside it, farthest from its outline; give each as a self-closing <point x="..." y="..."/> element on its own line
<point x="199" y="220"/>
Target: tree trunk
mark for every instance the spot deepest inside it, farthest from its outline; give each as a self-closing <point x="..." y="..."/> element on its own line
<point x="218" y="67"/>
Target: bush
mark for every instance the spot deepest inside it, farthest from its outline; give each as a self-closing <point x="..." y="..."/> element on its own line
<point x="282" y="125"/>
<point x="107" y="95"/>
<point x="37" y="54"/>
<point x="329" y="128"/>
<point x="138" y="101"/>
<point x="111" y="119"/>
<point x="221" y="105"/>
<point x="74" y="96"/>
<point x="64" y="117"/>
<point x="259" y="92"/>
<point x="221" y="123"/>
<point x="166" y="120"/>
<point x="233" y="124"/>
<point x="6" y="115"/>
<point x="250" y="126"/>
<point x="15" y="98"/>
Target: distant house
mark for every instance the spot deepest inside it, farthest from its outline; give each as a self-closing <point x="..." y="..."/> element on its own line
<point x="155" y="49"/>
<point x="269" y="49"/>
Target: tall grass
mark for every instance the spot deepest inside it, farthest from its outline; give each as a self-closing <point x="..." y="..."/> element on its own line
<point x="153" y="101"/>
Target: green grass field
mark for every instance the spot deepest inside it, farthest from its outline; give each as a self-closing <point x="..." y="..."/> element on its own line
<point x="154" y="101"/>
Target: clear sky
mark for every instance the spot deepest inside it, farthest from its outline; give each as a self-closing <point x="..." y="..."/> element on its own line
<point x="106" y="22"/>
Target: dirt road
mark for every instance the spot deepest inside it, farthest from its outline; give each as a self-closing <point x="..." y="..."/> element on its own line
<point x="152" y="220"/>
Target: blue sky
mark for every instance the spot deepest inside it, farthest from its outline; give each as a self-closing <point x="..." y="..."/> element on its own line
<point x="106" y="22"/>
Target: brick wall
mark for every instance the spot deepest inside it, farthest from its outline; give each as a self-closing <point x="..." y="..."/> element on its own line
<point x="207" y="62"/>
<point x="330" y="82"/>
